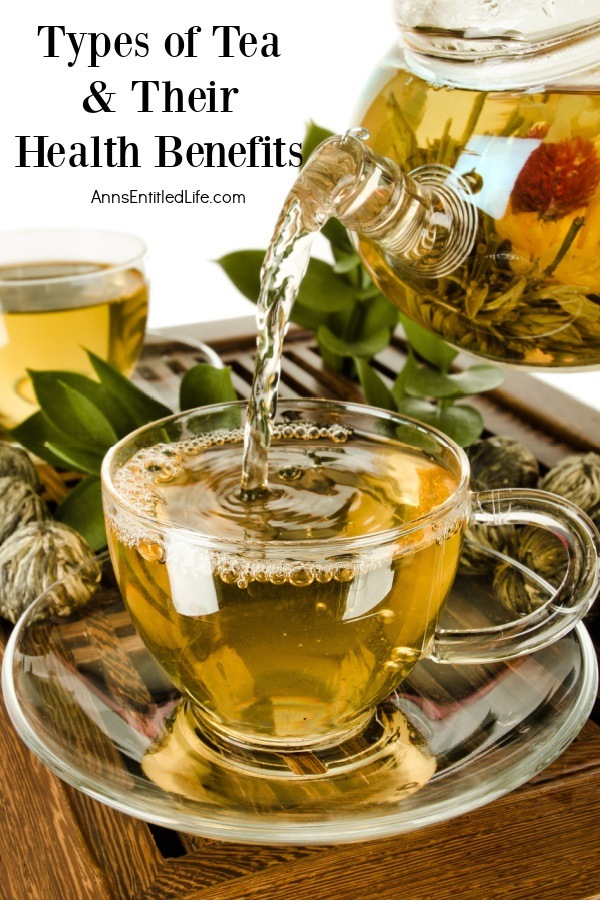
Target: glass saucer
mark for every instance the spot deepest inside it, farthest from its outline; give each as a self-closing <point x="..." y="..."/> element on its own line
<point x="90" y="702"/>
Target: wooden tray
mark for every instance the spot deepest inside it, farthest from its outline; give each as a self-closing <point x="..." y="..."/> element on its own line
<point x="541" y="841"/>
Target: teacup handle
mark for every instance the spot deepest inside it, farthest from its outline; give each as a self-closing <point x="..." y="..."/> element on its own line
<point x="562" y="610"/>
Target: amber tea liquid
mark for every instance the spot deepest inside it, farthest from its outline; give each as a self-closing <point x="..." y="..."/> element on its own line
<point x="289" y="650"/>
<point x="50" y="311"/>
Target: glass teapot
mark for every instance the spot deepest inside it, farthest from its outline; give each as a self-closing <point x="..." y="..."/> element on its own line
<point x="507" y="95"/>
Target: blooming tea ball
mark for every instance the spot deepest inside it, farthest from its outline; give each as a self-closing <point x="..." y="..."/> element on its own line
<point x="36" y="556"/>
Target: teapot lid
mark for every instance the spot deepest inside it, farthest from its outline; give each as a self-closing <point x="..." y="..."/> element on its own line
<point x="519" y="34"/>
<point x="534" y="21"/>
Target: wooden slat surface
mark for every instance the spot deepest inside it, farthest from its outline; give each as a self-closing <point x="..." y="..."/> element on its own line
<point x="521" y="847"/>
<point x="44" y="853"/>
<point x="541" y="841"/>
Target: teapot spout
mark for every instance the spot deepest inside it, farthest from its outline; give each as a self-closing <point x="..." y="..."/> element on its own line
<point x="423" y="221"/>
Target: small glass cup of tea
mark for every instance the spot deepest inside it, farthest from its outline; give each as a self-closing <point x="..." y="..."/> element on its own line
<point x="286" y="619"/>
<point x="64" y="291"/>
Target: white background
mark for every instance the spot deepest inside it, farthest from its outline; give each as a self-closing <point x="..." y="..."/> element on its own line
<point x="329" y="48"/>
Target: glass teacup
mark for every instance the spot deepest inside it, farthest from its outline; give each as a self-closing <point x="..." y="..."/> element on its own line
<point x="62" y="291"/>
<point x="286" y="620"/>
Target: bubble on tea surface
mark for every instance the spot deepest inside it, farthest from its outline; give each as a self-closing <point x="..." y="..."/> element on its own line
<point x="277" y="578"/>
<point x="168" y="474"/>
<point x="392" y="666"/>
<point x="190" y="448"/>
<point x="152" y="551"/>
<point x="339" y="434"/>
<point x="345" y="574"/>
<point x="301" y="577"/>
<point x="404" y="654"/>
<point x="290" y="473"/>
<point x="229" y="574"/>
<point x="151" y="464"/>
<point x="323" y="575"/>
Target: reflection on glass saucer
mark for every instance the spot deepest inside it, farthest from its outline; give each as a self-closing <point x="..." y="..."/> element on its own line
<point x="88" y="699"/>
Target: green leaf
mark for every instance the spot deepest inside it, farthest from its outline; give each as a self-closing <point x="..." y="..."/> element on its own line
<point x="71" y="412"/>
<point x="343" y="322"/>
<point x="426" y="382"/>
<point x="72" y="456"/>
<point x="313" y="136"/>
<point x="418" y="409"/>
<point x="243" y="269"/>
<point x="337" y="236"/>
<point x="141" y="407"/>
<point x="204" y="385"/>
<point x="462" y="424"/>
<point x="82" y="510"/>
<point x="378" y="313"/>
<point x="375" y="389"/>
<point x="89" y="423"/>
<point x="369" y="292"/>
<point x="333" y="360"/>
<point x="308" y="318"/>
<point x="112" y="410"/>
<point x="36" y="433"/>
<point x="364" y="347"/>
<point x="346" y="263"/>
<point x="399" y="387"/>
<point x="428" y="345"/>
<point x="324" y="291"/>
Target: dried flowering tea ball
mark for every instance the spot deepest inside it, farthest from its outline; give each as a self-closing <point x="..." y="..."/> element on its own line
<point x="501" y="462"/>
<point x="594" y="514"/>
<point x="517" y="593"/>
<point x="474" y="559"/>
<point x="15" y="463"/>
<point x="19" y="505"/>
<point x="38" y="555"/>
<point x="577" y="478"/>
<point x="541" y="551"/>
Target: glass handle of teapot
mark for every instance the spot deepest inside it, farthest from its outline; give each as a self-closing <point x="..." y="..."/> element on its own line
<point x="564" y="606"/>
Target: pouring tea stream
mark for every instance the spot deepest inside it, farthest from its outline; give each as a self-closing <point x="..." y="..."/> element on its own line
<point x="421" y="222"/>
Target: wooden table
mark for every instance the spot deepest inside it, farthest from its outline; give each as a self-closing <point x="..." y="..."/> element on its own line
<point x="541" y="841"/>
